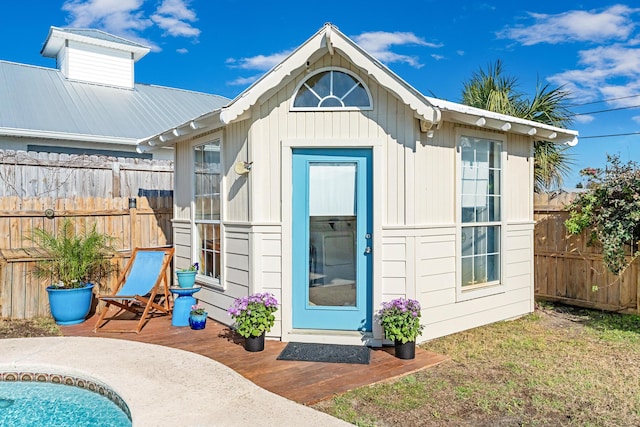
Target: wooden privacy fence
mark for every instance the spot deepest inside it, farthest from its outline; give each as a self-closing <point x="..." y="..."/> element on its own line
<point x="58" y="176"/>
<point x="23" y="296"/>
<point x="567" y="269"/>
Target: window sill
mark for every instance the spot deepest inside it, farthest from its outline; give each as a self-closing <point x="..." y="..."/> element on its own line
<point x="480" y="291"/>
<point x="209" y="283"/>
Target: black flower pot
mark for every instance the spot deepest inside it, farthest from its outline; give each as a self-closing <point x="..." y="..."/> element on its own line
<point x="254" y="344"/>
<point x="406" y="350"/>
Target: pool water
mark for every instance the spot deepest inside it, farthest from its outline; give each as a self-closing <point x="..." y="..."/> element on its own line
<point x="27" y="403"/>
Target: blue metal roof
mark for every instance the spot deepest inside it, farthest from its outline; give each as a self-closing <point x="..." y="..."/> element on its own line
<point x="37" y="99"/>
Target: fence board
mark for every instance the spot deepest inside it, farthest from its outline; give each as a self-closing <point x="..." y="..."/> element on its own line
<point x="567" y="267"/>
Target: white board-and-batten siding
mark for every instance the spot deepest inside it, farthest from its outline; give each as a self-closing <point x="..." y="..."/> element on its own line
<point x="96" y="64"/>
<point x="416" y="248"/>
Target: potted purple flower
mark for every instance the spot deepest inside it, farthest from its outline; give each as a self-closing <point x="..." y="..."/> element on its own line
<point x="253" y="317"/>
<point x="400" y="319"/>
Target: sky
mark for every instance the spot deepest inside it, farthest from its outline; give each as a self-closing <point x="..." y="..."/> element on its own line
<point x="591" y="48"/>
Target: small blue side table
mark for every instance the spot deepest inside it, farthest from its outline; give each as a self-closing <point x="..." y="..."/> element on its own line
<point x="182" y="305"/>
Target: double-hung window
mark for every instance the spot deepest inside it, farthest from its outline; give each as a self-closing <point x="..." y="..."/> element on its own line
<point x="207" y="208"/>
<point x="481" y="201"/>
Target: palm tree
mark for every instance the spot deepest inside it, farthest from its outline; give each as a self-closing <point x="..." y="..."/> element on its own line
<point x="492" y="90"/>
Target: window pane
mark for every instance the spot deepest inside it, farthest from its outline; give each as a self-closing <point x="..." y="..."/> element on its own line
<point x="332" y="89"/>
<point x="357" y="98"/>
<point x="332" y="189"/>
<point x="480" y="255"/>
<point x="494" y="208"/>
<point x="493" y="240"/>
<point x="480" y="269"/>
<point x="321" y="84"/>
<point x="306" y="98"/>
<point x="467" y="271"/>
<point x="467" y="241"/>
<point x="342" y="83"/>
<point x="493" y="268"/>
<point x="331" y="102"/>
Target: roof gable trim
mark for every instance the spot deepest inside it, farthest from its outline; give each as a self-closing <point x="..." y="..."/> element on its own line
<point x="331" y="39"/>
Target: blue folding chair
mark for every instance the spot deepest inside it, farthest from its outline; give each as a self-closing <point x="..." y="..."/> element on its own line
<point x="137" y="288"/>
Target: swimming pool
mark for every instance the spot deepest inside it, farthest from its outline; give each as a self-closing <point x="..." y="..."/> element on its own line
<point x="38" y="399"/>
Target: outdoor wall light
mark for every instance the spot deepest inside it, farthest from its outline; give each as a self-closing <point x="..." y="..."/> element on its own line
<point x="242" y="168"/>
<point x="133" y="203"/>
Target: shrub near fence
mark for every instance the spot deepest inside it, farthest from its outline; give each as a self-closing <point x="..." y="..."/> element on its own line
<point x="23" y="296"/>
<point x="568" y="270"/>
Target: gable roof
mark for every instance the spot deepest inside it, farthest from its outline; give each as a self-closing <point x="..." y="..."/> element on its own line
<point x="39" y="102"/>
<point x="329" y="39"/>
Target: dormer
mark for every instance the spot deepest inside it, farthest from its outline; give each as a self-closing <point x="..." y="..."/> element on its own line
<point x="93" y="56"/>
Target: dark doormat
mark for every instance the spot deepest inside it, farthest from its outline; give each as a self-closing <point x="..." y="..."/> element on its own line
<point x="306" y="352"/>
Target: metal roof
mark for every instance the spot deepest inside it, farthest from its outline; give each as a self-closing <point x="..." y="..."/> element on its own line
<point x="58" y="37"/>
<point x="101" y="35"/>
<point x="36" y="101"/>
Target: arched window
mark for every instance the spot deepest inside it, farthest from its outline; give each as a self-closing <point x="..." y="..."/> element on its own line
<point x="332" y="89"/>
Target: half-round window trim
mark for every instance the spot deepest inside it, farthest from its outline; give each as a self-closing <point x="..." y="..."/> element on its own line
<point x="323" y="70"/>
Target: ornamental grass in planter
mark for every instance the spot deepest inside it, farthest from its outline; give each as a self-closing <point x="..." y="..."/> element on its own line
<point x="71" y="262"/>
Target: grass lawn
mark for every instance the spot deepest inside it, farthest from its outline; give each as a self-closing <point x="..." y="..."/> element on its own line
<point x="557" y="366"/>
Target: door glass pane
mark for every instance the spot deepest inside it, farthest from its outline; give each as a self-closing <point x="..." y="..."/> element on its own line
<point x="332" y="234"/>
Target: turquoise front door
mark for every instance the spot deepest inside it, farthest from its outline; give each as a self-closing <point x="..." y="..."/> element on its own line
<point x="332" y="238"/>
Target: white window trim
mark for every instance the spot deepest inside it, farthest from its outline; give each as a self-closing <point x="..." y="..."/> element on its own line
<point x="325" y="69"/>
<point x="493" y="287"/>
<point x="215" y="283"/>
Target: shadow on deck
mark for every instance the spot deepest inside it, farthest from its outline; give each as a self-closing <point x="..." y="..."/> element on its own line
<point x="302" y="382"/>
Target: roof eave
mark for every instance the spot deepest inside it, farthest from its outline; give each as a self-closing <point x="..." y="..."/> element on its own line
<point x="460" y="113"/>
<point x="181" y="132"/>
<point x="39" y="134"/>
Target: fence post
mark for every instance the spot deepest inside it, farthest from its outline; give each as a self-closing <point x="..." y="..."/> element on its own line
<point x="115" y="183"/>
<point x="133" y="219"/>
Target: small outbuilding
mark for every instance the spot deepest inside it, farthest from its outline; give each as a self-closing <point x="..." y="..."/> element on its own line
<point x="335" y="185"/>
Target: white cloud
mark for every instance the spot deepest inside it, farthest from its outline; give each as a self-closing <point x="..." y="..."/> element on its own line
<point x="437" y="57"/>
<point x="127" y="18"/>
<point x="379" y="43"/>
<point x="243" y="81"/>
<point x="174" y="17"/>
<point x="613" y="23"/>
<point x="584" y="119"/>
<point x="607" y="67"/>
<point x="115" y="16"/>
<point x="604" y="72"/>
<point x="182" y="50"/>
<point x="258" y="62"/>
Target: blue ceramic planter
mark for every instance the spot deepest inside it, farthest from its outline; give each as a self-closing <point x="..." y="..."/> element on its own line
<point x="197" y="321"/>
<point x="186" y="279"/>
<point x="70" y="306"/>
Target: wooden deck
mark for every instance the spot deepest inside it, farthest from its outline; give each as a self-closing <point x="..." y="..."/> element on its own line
<point x="303" y="382"/>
